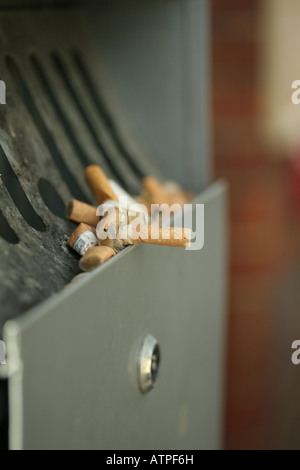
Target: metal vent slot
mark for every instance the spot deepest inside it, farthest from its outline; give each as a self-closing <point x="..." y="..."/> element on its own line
<point x="117" y="164"/>
<point x="104" y="113"/>
<point x="6" y="232"/>
<point x="51" y="199"/>
<point x="113" y="169"/>
<point x="18" y="195"/>
<point x="48" y="89"/>
<point x="109" y="164"/>
<point x="45" y="134"/>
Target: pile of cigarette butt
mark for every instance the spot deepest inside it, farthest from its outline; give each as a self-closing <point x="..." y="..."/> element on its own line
<point x="95" y="250"/>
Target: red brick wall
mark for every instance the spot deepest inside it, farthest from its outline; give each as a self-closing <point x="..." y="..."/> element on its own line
<point x="261" y="222"/>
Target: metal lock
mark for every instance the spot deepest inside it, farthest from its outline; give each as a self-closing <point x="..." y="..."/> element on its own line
<point x="148" y="364"/>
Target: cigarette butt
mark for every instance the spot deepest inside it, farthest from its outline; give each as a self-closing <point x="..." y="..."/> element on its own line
<point x="190" y="196"/>
<point x="155" y="190"/>
<point x="176" y="194"/>
<point x="168" y="193"/>
<point x="120" y="192"/>
<point x="76" y="234"/>
<point x="178" y="198"/>
<point x="82" y="239"/>
<point x="99" y="184"/>
<point x="165" y="236"/>
<point x="171" y="187"/>
<point x="95" y="257"/>
<point x="144" y="201"/>
<point x="110" y="232"/>
<point x="80" y="212"/>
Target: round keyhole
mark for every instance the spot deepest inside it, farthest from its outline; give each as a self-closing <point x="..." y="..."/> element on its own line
<point x="148" y="364"/>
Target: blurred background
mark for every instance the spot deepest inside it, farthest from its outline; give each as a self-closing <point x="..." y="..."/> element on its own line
<point x="257" y="149"/>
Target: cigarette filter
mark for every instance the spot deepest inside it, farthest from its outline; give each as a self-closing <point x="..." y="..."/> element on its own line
<point x="82" y="239"/>
<point x="80" y="212"/>
<point x="96" y="257"/>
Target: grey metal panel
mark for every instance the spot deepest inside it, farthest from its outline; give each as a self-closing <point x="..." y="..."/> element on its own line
<point x="75" y="356"/>
<point x="156" y="59"/>
<point x="196" y="78"/>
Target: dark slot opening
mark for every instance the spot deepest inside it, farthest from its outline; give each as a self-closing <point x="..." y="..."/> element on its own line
<point x="45" y="133"/>
<point x="18" y="195"/>
<point x="51" y="199"/>
<point x="61" y="115"/>
<point x="7" y="232"/>
<point x="104" y="113"/>
<point x="63" y="73"/>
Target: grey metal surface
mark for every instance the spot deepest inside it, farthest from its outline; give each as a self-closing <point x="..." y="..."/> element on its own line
<point x="156" y="55"/>
<point x="122" y="84"/>
<point x="52" y="126"/>
<point x="150" y="69"/>
<point x="76" y="354"/>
